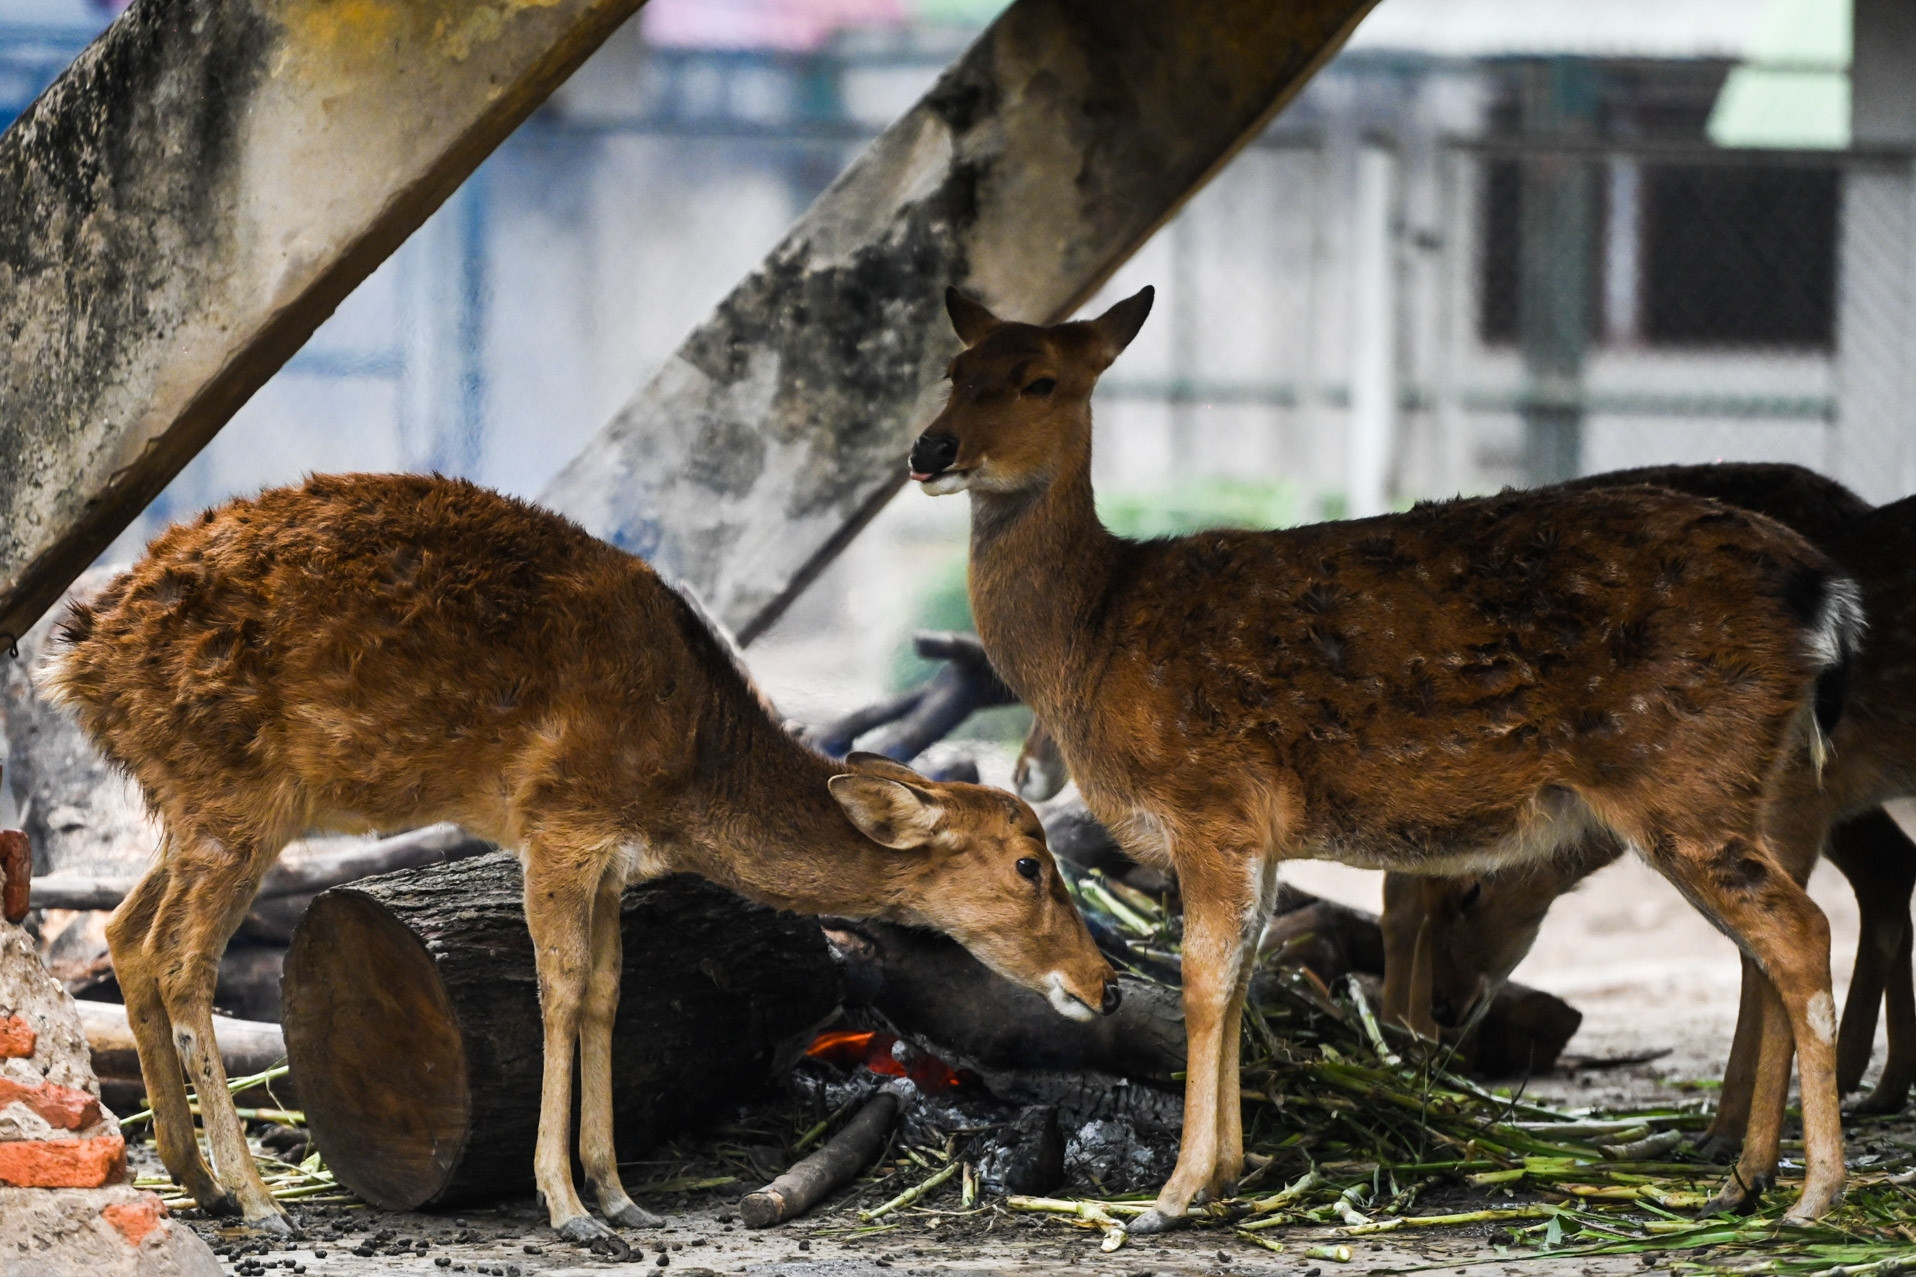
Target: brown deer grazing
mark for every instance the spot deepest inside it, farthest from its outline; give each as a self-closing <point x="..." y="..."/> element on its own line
<point x="1466" y="685"/>
<point x="1449" y="941"/>
<point x="380" y="651"/>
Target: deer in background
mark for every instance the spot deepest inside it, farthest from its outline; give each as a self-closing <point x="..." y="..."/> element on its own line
<point x="1467" y="685"/>
<point x="370" y="651"/>
<point x="1449" y="941"/>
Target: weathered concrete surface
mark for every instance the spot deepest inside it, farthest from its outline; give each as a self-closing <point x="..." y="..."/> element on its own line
<point x="117" y="1231"/>
<point x="193" y="197"/>
<point x="1037" y="164"/>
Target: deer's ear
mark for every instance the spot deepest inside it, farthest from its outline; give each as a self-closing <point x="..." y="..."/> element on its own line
<point x="970" y="318"/>
<point x="1113" y="330"/>
<point x="879" y="765"/>
<point x="889" y="812"/>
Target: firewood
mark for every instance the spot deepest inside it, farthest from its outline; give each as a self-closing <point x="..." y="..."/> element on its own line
<point x="247" y="1047"/>
<point x="832" y="1167"/>
<point x="412" y="1022"/>
<point x="929" y="712"/>
<point x="432" y="845"/>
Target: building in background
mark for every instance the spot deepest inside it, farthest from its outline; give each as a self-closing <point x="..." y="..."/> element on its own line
<point x="1494" y="242"/>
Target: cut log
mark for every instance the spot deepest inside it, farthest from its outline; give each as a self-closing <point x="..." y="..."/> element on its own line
<point x="412" y="1022"/>
<point x="435" y="844"/>
<point x="932" y="989"/>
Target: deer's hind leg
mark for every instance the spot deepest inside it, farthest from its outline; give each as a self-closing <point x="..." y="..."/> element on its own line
<point x="207" y="887"/>
<point x="1754" y="894"/>
<point x="127" y="934"/>
<point x="596" y="1150"/>
<point x="1878" y="859"/>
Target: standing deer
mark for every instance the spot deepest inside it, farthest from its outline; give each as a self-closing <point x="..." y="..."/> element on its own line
<point x="386" y="651"/>
<point x="1466" y="685"/>
<point x="1451" y="940"/>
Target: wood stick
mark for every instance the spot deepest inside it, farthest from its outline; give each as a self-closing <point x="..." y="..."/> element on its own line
<point x="16" y="875"/>
<point x="429" y="846"/>
<point x="826" y="1171"/>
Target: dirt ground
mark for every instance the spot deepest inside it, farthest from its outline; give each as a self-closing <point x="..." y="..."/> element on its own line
<point x="1646" y="972"/>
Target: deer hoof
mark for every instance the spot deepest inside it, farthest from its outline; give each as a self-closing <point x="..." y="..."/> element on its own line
<point x="1880" y="1101"/>
<point x="633" y="1215"/>
<point x="583" y="1230"/>
<point x="218" y="1204"/>
<point x="1817" y="1200"/>
<point x="274" y="1222"/>
<point x="1153" y="1221"/>
<point x="1719" y="1148"/>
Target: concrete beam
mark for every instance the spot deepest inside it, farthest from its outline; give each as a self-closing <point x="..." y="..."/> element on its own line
<point x="1034" y="167"/>
<point x="193" y="197"/>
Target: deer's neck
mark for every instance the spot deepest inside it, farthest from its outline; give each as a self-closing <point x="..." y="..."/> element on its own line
<point x="1042" y="567"/>
<point x="776" y="835"/>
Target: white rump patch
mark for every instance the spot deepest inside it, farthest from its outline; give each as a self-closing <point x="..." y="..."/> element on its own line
<point x="1839" y="622"/>
<point x="1822" y="1016"/>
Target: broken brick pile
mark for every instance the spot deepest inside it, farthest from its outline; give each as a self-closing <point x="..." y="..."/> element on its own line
<point x="66" y="1205"/>
<point x="53" y="1132"/>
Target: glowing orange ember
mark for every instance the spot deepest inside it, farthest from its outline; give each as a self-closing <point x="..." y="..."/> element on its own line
<point x="855" y="1048"/>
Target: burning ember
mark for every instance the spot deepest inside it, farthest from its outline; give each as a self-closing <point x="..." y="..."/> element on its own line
<point x="888" y="1055"/>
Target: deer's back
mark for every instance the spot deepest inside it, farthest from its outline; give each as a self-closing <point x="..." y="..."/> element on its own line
<point x="1415" y="678"/>
<point x="382" y="648"/>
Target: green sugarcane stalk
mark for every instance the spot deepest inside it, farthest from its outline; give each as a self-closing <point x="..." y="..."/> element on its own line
<point x="910" y="1195"/>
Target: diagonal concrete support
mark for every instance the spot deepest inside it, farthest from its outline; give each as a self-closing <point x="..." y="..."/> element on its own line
<point x="1037" y="164"/>
<point x="192" y="197"/>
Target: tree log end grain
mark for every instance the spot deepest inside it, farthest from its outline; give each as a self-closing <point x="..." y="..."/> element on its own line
<point x="375" y="1040"/>
<point x="411" y="1014"/>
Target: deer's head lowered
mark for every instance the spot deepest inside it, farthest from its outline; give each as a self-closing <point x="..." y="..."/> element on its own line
<point x="973" y="864"/>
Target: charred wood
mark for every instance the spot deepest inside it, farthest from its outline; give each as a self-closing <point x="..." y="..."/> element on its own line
<point x="935" y="992"/>
<point x="833" y="1166"/>
<point x="929" y="712"/>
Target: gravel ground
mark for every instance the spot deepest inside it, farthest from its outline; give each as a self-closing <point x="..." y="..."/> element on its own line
<point x="1647" y="973"/>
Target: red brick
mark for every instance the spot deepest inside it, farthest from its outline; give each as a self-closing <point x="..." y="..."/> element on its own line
<point x="87" y="1163"/>
<point x="17" y="1038"/>
<point x="136" y="1219"/>
<point x="61" y="1106"/>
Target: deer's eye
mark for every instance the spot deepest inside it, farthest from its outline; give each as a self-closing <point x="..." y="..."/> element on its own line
<point x="1471" y="896"/>
<point x="1042" y="386"/>
<point x="1030" y="868"/>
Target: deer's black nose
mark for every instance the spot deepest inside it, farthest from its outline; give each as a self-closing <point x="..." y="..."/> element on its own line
<point x="932" y="454"/>
<point x="1113" y="995"/>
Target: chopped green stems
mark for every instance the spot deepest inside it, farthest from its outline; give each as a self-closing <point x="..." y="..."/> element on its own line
<point x="910" y="1195"/>
<point x="234" y="1087"/>
<point x="805" y="1140"/>
<point x="1376" y="1035"/>
<point x="1093" y="886"/>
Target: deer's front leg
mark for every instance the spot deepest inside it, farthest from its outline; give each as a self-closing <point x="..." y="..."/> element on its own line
<point x="1215" y="953"/>
<point x="596" y="1150"/>
<point x="559" y="909"/>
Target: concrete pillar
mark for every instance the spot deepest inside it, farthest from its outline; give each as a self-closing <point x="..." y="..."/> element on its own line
<point x="187" y="203"/>
<point x="1373" y="376"/>
<point x="1873" y="447"/>
<point x="1060" y="141"/>
<point x="1555" y="225"/>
